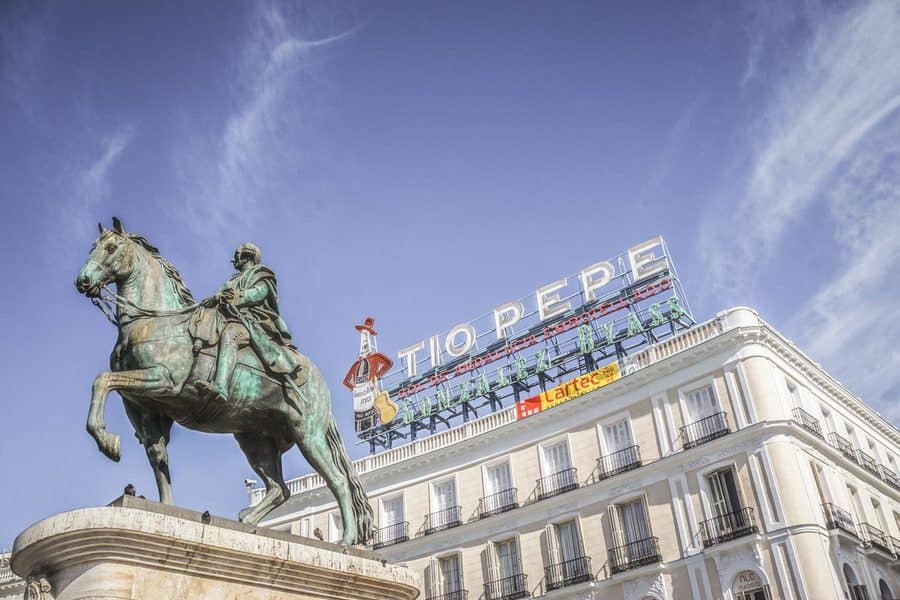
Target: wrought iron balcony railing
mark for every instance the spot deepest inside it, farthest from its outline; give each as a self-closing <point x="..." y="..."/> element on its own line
<point x="569" y="572"/>
<point x="443" y="519"/>
<point x="391" y="534"/>
<point x="868" y="463"/>
<point x="729" y="526"/>
<point x="808" y="422"/>
<point x="838" y="518"/>
<point x="874" y="537"/>
<point x="457" y="595"/>
<point x="618" y="462"/>
<point x="889" y="477"/>
<point x="507" y="588"/>
<point x="558" y="483"/>
<point x="704" y="430"/>
<point x="500" y="502"/>
<point x="633" y="555"/>
<point x="842" y="445"/>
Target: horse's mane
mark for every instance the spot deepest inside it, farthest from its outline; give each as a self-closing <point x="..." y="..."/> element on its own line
<point x="168" y="268"/>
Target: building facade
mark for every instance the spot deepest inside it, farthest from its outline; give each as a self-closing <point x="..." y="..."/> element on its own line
<point x="11" y="585"/>
<point x="723" y="464"/>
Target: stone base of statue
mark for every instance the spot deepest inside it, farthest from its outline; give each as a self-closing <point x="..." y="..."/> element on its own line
<point x="135" y="548"/>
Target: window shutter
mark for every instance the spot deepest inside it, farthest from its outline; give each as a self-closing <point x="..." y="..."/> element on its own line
<point x="490" y="559"/>
<point x="434" y="581"/>
<point x="615" y="525"/>
<point x="552" y="544"/>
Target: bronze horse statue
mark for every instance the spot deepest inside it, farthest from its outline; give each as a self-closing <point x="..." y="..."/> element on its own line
<point x="154" y="367"/>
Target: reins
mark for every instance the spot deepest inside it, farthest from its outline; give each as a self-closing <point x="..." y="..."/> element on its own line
<point x="106" y="304"/>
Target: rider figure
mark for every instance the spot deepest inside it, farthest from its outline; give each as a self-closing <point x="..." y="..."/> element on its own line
<point x="248" y="314"/>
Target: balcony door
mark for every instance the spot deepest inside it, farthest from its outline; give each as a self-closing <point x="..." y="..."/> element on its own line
<point x="701" y="403"/>
<point x="617" y="436"/>
<point x="557" y="458"/>
<point x="451" y="575"/>
<point x="444" y="499"/>
<point x="508" y="564"/>
<point x="724" y="497"/>
<point x="568" y="541"/>
<point x="391" y="511"/>
<point x="498" y="478"/>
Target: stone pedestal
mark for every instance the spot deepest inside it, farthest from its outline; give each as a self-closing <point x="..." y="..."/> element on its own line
<point x="138" y="549"/>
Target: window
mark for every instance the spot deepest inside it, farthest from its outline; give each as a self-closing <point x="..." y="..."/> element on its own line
<point x="391" y="510"/>
<point x="794" y="391"/>
<point x="828" y="419"/>
<point x="335" y="528"/>
<point x="617" y="436"/>
<point x="566" y="562"/>
<point x="859" y="516"/>
<point x="884" y="590"/>
<point x="556" y="457"/>
<point x="306" y="527"/>
<point x="724" y="497"/>
<point x="451" y="574"/>
<point x="504" y="578"/>
<point x="819" y="479"/>
<point x="508" y="564"/>
<point x="443" y="495"/>
<point x="498" y="478"/>
<point x="701" y="403"/>
<point x="855" y="590"/>
<point x="632" y="543"/>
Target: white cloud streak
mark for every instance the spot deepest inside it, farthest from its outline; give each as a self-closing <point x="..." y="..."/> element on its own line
<point x="261" y="136"/>
<point x="831" y="148"/>
<point x="88" y="185"/>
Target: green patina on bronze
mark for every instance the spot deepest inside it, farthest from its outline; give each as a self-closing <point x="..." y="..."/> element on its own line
<point x="225" y="365"/>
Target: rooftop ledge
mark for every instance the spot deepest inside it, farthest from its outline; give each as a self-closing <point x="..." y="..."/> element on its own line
<point x="740" y="317"/>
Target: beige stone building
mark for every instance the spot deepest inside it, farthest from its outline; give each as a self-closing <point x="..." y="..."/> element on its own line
<point x="724" y="464"/>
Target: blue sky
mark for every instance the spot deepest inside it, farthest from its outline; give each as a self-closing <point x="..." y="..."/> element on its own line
<point x="423" y="163"/>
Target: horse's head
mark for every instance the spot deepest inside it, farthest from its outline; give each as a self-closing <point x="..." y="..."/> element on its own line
<point x="111" y="259"/>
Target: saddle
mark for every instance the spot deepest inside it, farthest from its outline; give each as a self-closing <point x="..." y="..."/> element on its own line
<point x="205" y="327"/>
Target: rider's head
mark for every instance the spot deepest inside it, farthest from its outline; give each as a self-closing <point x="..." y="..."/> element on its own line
<point x="249" y="252"/>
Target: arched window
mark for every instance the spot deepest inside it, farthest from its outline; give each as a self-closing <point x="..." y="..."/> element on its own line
<point x="748" y="586"/>
<point x="884" y="590"/>
<point x="855" y="590"/>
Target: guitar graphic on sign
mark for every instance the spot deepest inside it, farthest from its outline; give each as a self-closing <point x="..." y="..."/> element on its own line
<point x="362" y="378"/>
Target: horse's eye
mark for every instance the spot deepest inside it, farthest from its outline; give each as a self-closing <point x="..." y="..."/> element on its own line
<point x="110" y="248"/>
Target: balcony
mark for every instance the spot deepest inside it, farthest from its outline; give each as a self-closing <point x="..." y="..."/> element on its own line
<point x="569" y="572"/>
<point x="808" y="422"/>
<point x="391" y="534"/>
<point x="498" y="503"/>
<point x="843" y="446"/>
<point x="457" y="595"/>
<point x="633" y="555"/>
<point x="507" y="588"/>
<point x="889" y="477"/>
<point x="723" y="528"/>
<point x="556" y="484"/>
<point x="704" y="430"/>
<point x="868" y="463"/>
<point x="838" y="518"/>
<point x="618" y="462"/>
<point x="443" y="519"/>
<point x="874" y="537"/>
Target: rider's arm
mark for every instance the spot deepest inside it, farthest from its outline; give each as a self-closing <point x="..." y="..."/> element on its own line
<point x="253" y="295"/>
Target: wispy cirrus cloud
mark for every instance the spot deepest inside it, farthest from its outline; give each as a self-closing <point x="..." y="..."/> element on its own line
<point x="228" y="174"/>
<point x="87" y="183"/>
<point x="829" y="148"/>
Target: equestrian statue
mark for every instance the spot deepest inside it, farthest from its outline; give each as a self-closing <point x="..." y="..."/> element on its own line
<point x="225" y="365"/>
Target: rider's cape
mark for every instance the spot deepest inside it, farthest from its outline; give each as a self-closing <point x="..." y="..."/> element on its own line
<point x="269" y="335"/>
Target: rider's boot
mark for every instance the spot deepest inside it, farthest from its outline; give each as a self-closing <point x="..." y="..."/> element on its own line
<point x="228" y="355"/>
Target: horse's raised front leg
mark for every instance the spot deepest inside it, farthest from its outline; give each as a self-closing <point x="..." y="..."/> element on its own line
<point x="142" y="382"/>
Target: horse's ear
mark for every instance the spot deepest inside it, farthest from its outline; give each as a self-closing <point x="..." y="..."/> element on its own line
<point x="101" y="227"/>
<point x="117" y="225"/>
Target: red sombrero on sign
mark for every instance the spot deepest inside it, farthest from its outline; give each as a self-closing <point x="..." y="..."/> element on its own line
<point x="362" y="378"/>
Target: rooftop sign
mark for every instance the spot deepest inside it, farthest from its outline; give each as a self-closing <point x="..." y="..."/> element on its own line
<point x="568" y="332"/>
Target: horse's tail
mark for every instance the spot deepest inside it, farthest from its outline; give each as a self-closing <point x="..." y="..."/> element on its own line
<point x="362" y="510"/>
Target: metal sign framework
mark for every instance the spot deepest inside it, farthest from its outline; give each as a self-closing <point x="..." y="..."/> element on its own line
<point x="540" y="356"/>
